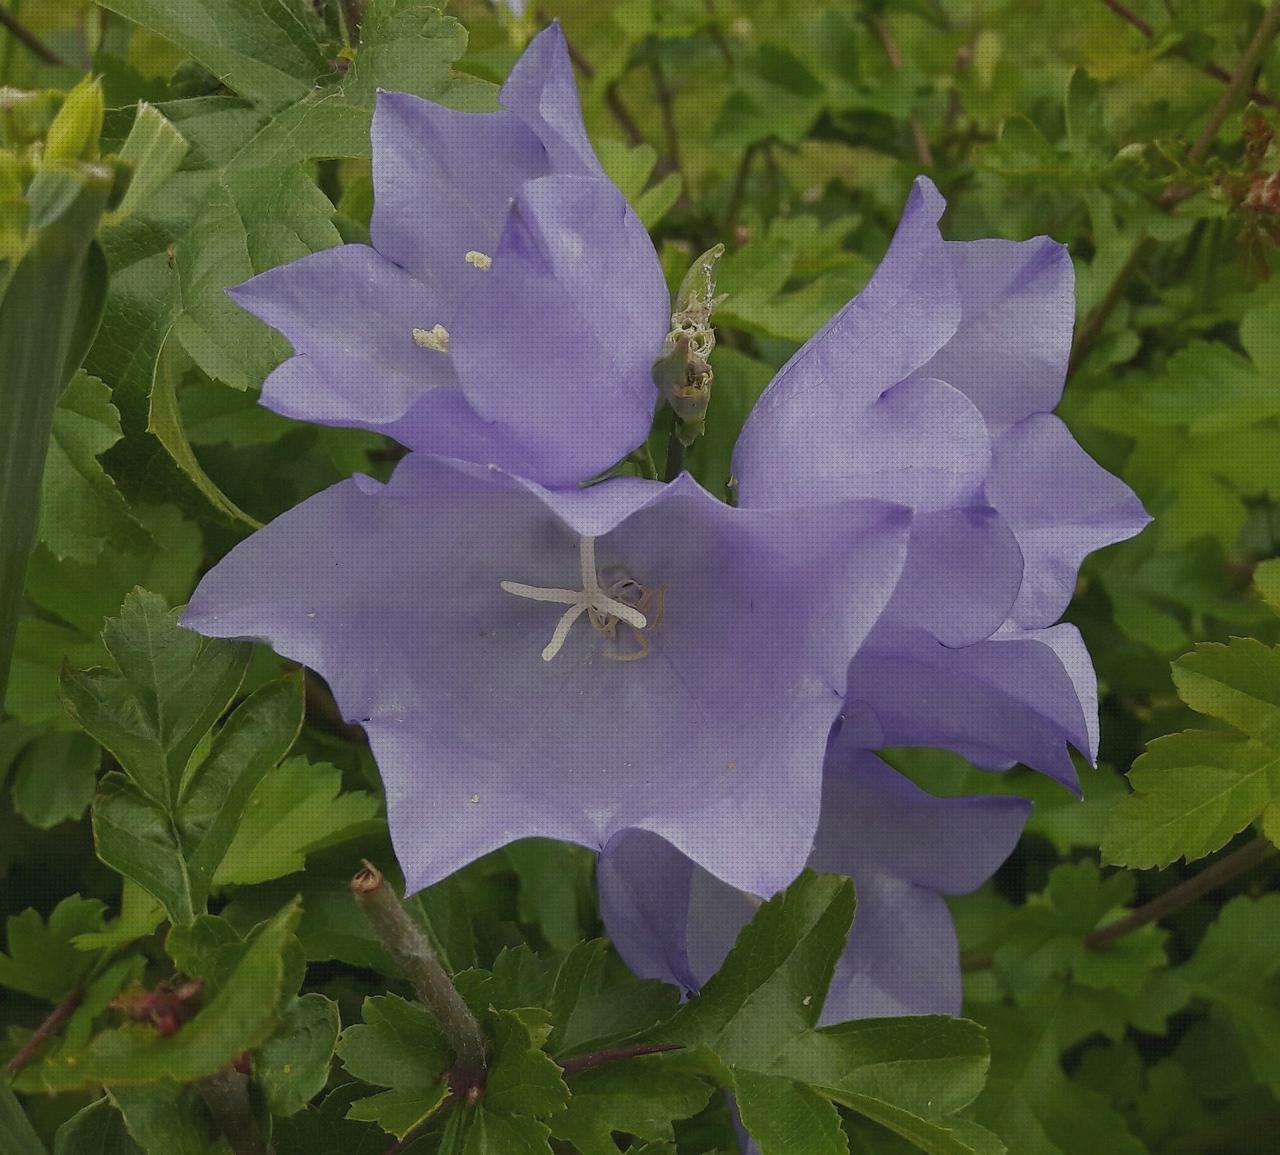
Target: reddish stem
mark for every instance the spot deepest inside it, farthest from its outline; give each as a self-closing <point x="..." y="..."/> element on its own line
<point x="59" y="1015"/>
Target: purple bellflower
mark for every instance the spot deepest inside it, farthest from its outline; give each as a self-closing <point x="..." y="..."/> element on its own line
<point x="511" y="305"/>
<point x="933" y="388"/>
<point x="573" y="664"/>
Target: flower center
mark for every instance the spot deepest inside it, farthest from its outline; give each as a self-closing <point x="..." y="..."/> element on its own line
<point x="602" y="606"/>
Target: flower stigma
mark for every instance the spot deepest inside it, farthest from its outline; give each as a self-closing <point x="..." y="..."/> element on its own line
<point x="603" y="606"/>
<point x="436" y="338"/>
<point x="478" y="259"/>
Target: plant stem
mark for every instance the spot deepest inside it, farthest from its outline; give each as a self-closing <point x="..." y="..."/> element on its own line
<point x="1262" y="38"/>
<point x="408" y="946"/>
<point x="666" y="102"/>
<point x="614" y="1055"/>
<point x="52" y="1023"/>
<point x="924" y="154"/>
<point x="1097" y="319"/>
<point x="1210" y="69"/>
<point x="226" y="1094"/>
<point x="1236" y="863"/>
<point x="27" y="38"/>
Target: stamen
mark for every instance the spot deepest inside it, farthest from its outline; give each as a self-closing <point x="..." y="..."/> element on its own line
<point x="436" y="338"/>
<point x="478" y="259"/>
<point x="604" y="612"/>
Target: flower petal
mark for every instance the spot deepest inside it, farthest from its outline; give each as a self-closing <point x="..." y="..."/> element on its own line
<point x="541" y="91"/>
<point x="963" y="573"/>
<point x="1061" y="505"/>
<point x="907" y="312"/>
<point x="394" y="595"/>
<point x="558" y="340"/>
<point x="1010" y="350"/>
<point x="443" y="182"/>
<point x="1019" y="696"/>
<point x="350" y="316"/>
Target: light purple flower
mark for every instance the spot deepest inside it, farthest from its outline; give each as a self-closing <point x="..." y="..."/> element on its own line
<point x="511" y="305"/>
<point x="573" y="664"/>
<point x="933" y="388"/>
<point x="904" y="849"/>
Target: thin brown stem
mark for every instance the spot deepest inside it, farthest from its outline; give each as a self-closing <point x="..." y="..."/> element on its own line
<point x="613" y="101"/>
<point x="408" y="946"/>
<point x="46" y="1030"/>
<point x="613" y="1055"/>
<point x="226" y="1094"/>
<point x="1210" y="69"/>
<point x="920" y="139"/>
<point x="28" y="39"/>
<point x="1266" y="31"/>
<point x="353" y="13"/>
<point x="1238" y="862"/>
<point x="1097" y="319"/>
<point x="739" y="188"/>
<point x="667" y="104"/>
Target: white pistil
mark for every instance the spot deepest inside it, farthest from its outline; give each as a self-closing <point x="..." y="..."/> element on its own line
<point x="591" y="599"/>
<point x="478" y="259"/>
<point x="436" y="338"/>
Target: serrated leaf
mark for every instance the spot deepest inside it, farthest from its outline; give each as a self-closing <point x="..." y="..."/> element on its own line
<point x="41" y="960"/>
<point x="80" y="508"/>
<point x="1237" y="966"/>
<point x="758" y="1014"/>
<point x="267" y="51"/>
<point x="296" y="808"/>
<point x="240" y="1017"/>
<point x="167" y="690"/>
<point x="596" y="1002"/>
<point x="292" y="1066"/>
<point x="633" y="1096"/>
<point x="523" y="1079"/>
<point x="55" y="777"/>
<point x="98" y="1129"/>
<point x="398" y="1046"/>
<point x="1193" y="791"/>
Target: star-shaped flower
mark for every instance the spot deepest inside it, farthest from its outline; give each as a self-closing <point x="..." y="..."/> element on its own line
<point x="696" y="658"/>
<point x="511" y="304"/>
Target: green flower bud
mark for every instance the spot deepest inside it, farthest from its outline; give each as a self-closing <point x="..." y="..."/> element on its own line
<point x="74" y="133"/>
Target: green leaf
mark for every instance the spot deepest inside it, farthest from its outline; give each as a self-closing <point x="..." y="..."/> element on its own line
<point x="398" y="1046"/>
<point x="41" y="960"/>
<point x="241" y="1016"/>
<point x="298" y="807"/>
<point x="164" y="420"/>
<point x="168" y="1119"/>
<point x="1193" y="791"/>
<point x="174" y="854"/>
<point x="523" y="1078"/>
<point x="269" y="218"/>
<point x="169" y="687"/>
<point x="596" y="1002"/>
<point x="1045" y="937"/>
<point x="758" y="1015"/>
<point x="1237" y="966"/>
<point x="80" y="508"/>
<point x="140" y="914"/>
<point x="268" y="52"/>
<point x="292" y="1067"/>
<point x="1266" y="580"/>
<point x="634" y="1096"/>
<point x="98" y="1129"/>
<point x="153" y="149"/>
<point x="55" y="778"/>
<point x="17" y="1136"/>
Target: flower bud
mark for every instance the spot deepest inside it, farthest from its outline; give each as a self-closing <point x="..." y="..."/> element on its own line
<point x="74" y="133"/>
